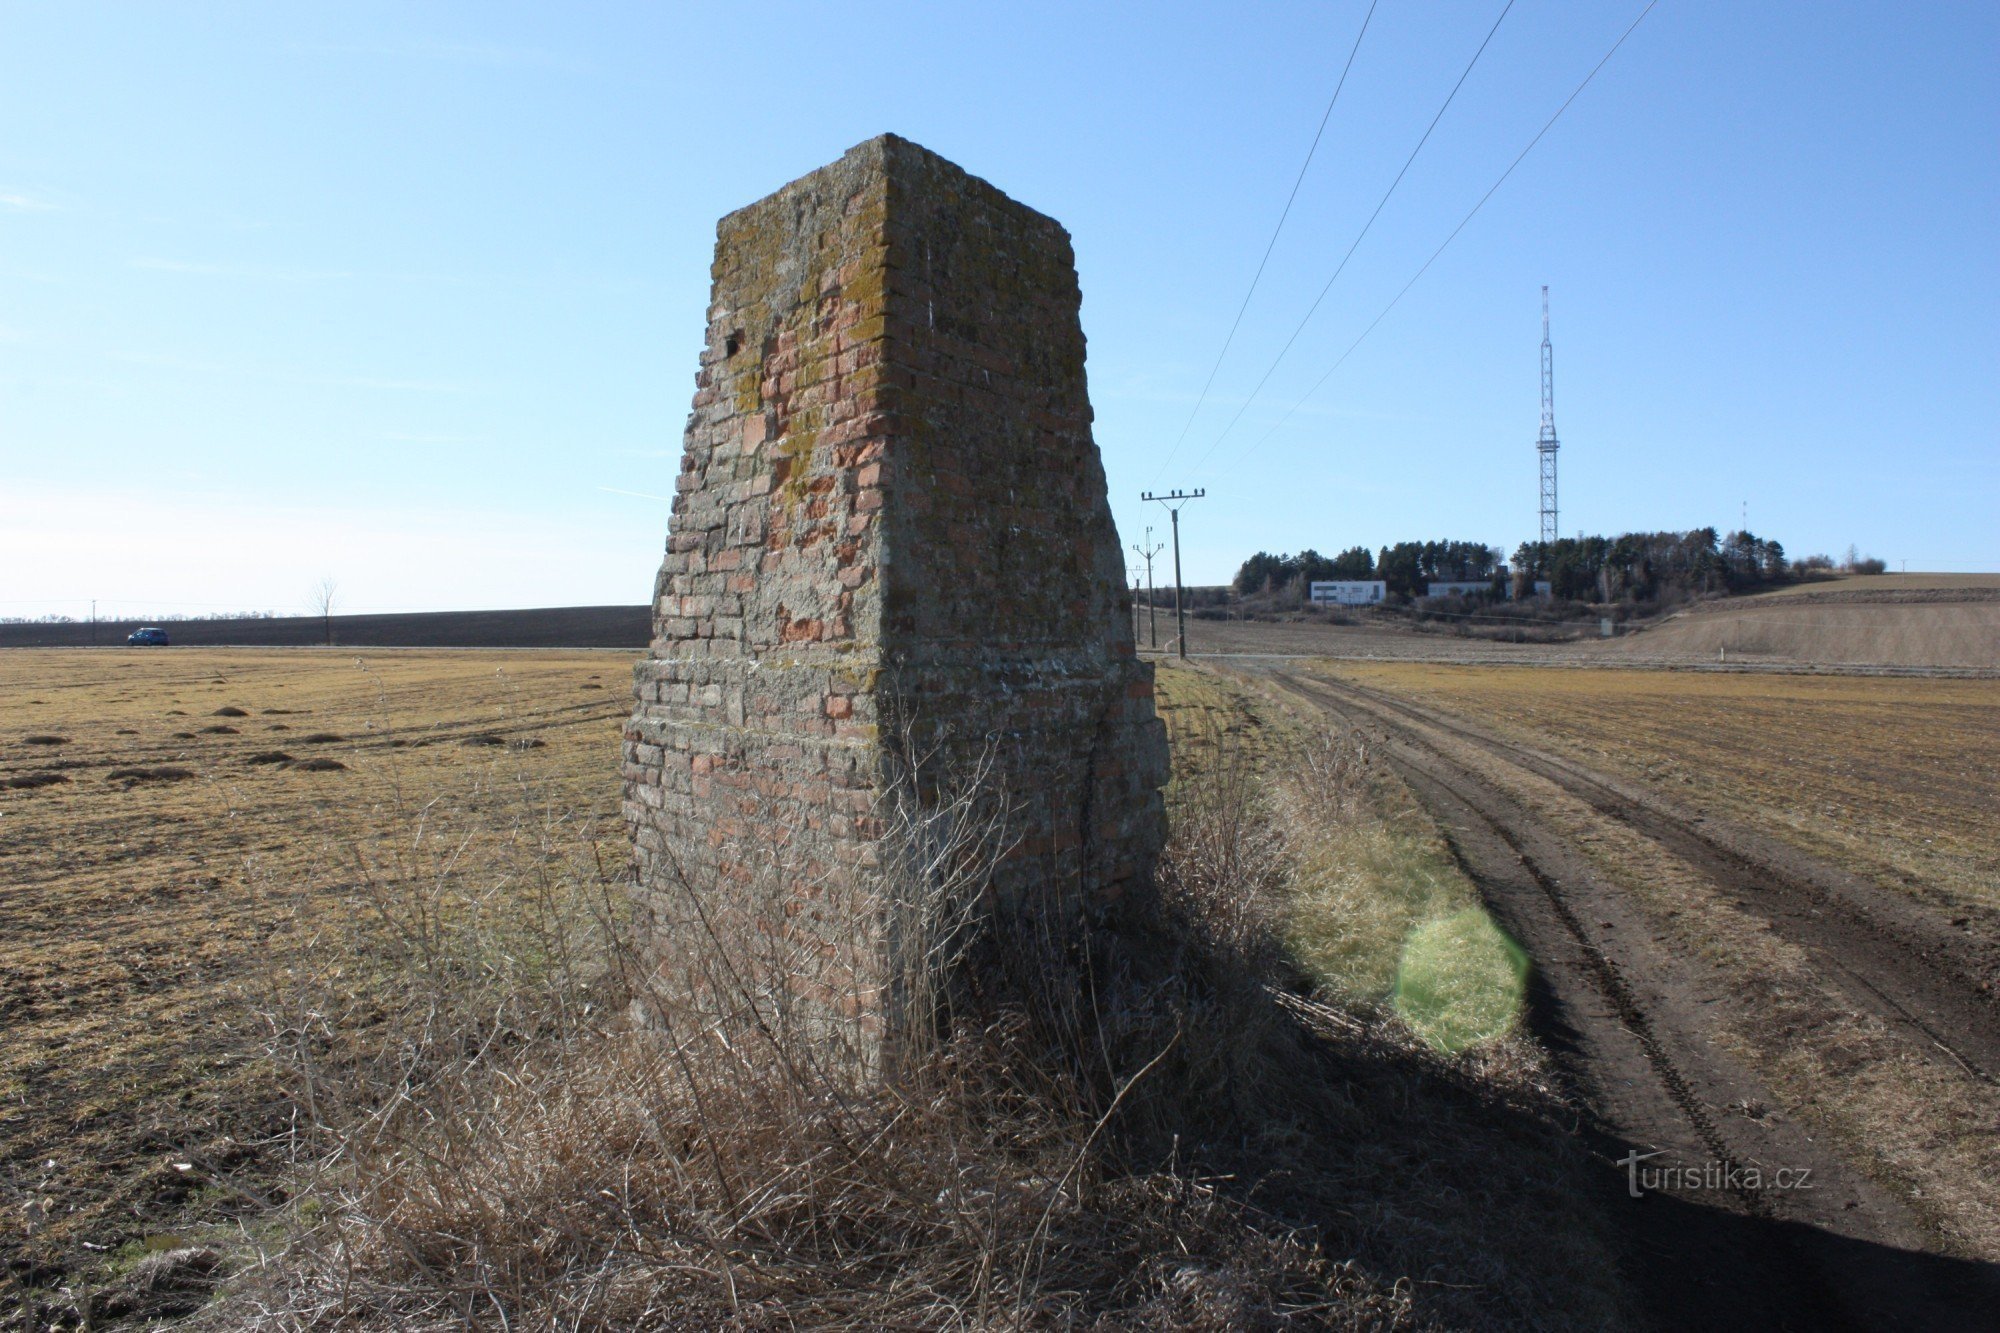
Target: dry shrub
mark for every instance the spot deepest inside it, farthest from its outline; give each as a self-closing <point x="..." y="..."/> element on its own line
<point x="524" y="1121"/>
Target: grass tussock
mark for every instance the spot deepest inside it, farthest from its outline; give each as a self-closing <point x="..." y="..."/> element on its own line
<point x="157" y="773"/>
<point x="1379" y="912"/>
<point x="525" y="1119"/>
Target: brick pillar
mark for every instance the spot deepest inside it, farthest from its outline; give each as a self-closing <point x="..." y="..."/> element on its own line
<point x="890" y="526"/>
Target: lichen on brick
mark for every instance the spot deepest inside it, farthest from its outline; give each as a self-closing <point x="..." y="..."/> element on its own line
<point x="891" y="530"/>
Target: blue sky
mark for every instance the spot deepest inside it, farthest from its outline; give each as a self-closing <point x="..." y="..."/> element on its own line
<point x="410" y="294"/>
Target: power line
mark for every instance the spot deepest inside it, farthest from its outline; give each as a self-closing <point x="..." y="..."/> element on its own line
<point x="1146" y="553"/>
<point x="1271" y="245"/>
<point x="1175" y="501"/>
<point x="1362" y="235"/>
<point x="1463" y="222"/>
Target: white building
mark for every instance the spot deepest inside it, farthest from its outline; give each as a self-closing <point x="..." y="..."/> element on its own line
<point x="1458" y="587"/>
<point x="1349" y="592"/>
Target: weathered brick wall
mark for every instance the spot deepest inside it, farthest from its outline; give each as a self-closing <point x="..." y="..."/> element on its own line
<point x="891" y="529"/>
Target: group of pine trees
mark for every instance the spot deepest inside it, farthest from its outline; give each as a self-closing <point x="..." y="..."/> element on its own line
<point x="1652" y="566"/>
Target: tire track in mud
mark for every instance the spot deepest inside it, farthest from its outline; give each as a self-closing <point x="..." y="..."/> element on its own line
<point x="1893" y="957"/>
<point x="1629" y="1021"/>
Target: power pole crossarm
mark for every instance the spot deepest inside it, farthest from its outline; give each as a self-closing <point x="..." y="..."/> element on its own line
<point x="1175" y="501"/>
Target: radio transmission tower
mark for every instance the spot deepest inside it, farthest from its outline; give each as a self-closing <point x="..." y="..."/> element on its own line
<point x="1547" y="445"/>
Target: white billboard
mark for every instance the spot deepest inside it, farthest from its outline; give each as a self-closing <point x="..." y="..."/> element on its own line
<point x="1349" y="592"/>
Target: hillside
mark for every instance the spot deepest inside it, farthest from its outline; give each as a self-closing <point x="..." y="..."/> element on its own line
<point x="1901" y="620"/>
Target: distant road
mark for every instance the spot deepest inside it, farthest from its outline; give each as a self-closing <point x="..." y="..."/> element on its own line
<point x="539" y="627"/>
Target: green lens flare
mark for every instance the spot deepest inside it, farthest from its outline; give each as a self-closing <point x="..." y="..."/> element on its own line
<point x="1461" y="980"/>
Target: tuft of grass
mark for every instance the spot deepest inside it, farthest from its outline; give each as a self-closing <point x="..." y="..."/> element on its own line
<point x="1461" y="981"/>
<point x="318" y="764"/>
<point x="29" y="781"/>
<point x="231" y="710"/>
<point x="44" y="739"/>
<point x="1368" y="869"/>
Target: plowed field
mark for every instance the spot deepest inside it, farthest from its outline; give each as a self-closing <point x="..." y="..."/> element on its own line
<point x="171" y="822"/>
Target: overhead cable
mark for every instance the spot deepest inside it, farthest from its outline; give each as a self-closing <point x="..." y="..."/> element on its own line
<point x="1273" y="242"/>
<point x="1490" y="192"/>
<point x="1360" y="236"/>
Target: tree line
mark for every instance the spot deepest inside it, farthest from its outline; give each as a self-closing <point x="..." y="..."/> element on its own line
<point x="1652" y="566"/>
<point x="1635" y="566"/>
<point x="1406" y="567"/>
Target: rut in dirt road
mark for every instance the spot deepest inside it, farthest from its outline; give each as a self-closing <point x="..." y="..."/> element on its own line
<point x="1633" y="1021"/>
<point x="1895" y="958"/>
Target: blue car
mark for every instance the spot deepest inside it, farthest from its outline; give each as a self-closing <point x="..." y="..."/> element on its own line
<point x="151" y="635"/>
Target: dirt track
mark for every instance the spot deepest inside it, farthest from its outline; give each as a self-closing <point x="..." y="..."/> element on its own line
<point x="1686" y="969"/>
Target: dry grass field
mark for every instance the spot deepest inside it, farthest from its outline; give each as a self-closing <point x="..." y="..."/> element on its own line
<point x="196" y="841"/>
<point x="1871" y="585"/>
<point x="177" y="826"/>
<point x="1955" y="632"/>
<point x="173" y="825"/>
<point x="1893" y="777"/>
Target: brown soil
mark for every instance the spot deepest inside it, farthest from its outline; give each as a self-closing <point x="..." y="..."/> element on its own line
<point x="1722" y="997"/>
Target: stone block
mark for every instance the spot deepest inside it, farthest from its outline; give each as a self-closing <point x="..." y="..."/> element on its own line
<point x="890" y="549"/>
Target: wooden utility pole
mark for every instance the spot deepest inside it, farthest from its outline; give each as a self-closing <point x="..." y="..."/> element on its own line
<point x="1146" y="553"/>
<point x="1175" y="501"/>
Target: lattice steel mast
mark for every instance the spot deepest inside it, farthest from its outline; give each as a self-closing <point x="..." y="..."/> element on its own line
<point x="1547" y="444"/>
